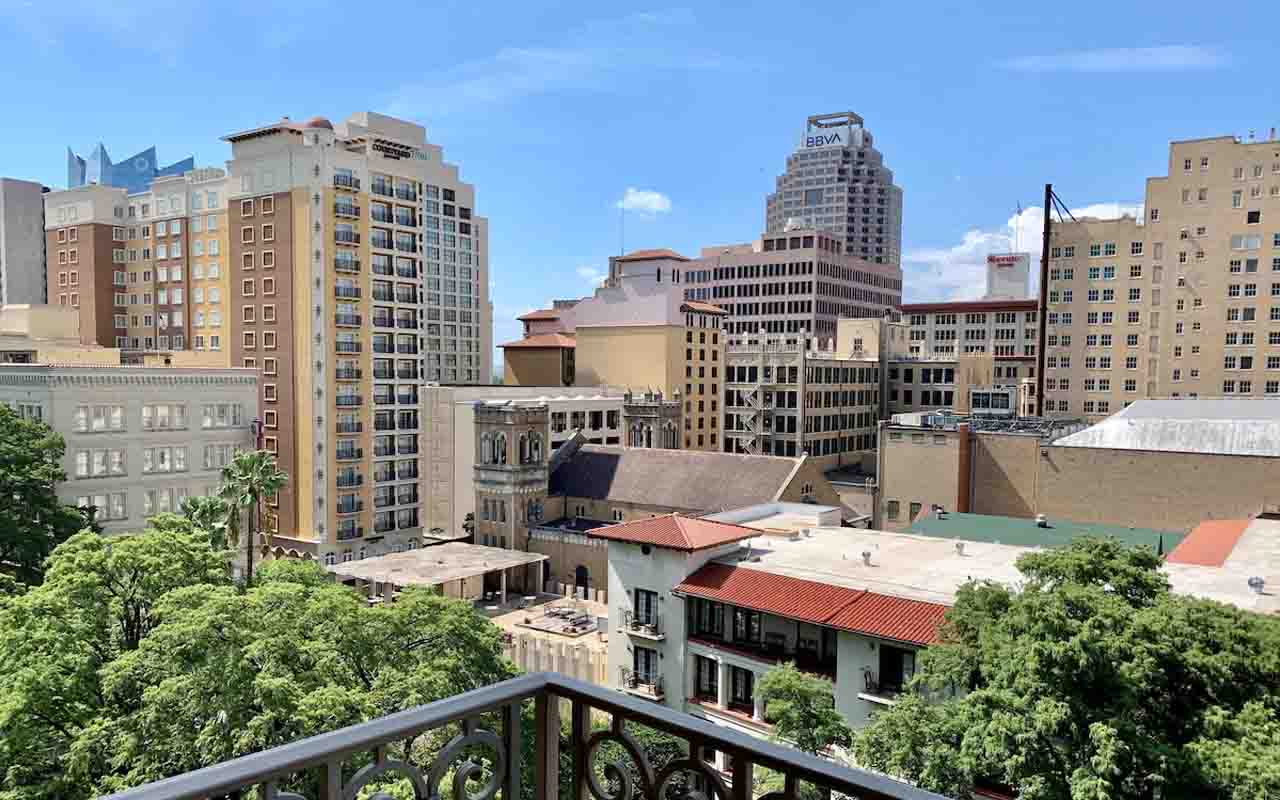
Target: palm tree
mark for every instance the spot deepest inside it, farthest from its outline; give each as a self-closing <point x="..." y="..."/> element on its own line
<point x="212" y="515"/>
<point x="249" y="476"/>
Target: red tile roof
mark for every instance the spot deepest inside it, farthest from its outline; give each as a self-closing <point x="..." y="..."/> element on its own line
<point x="542" y="313"/>
<point x="544" y="340"/>
<point x="647" y="255"/>
<point x="705" y="308"/>
<point x="856" y="610"/>
<point x="1210" y="543"/>
<point x="676" y="532"/>
<point x="889" y="617"/>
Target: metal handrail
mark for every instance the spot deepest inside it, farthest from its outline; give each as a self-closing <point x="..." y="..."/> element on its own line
<point x="327" y="752"/>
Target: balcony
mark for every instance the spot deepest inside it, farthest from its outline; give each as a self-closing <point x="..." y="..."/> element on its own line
<point x="346" y="182"/>
<point x="384" y="399"/>
<point x="384" y="527"/>
<point x="347" y="292"/>
<point x="407" y="324"/>
<point x="381" y="188"/>
<point x="379" y="425"/>
<point x="348" y="374"/>
<point x="407" y="247"/>
<point x="643" y="627"/>
<point x="354" y="454"/>
<point x="407" y="349"/>
<point x="346" y="534"/>
<point x="407" y="374"/>
<point x="381" y="215"/>
<point x="382" y="321"/>
<point x="406" y="297"/>
<point x="489" y="722"/>
<point x="380" y="242"/>
<point x="348" y="400"/>
<point x="354" y="507"/>
<point x="349" y="266"/>
<point x="383" y="347"/>
<point x="383" y="296"/>
<point x="383" y="374"/>
<point x="380" y="268"/>
<point x="383" y="452"/>
<point x="407" y="474"/>
<point x="383" y="500"/>
<point x="350" y="427"/>
<point x="406" y="499"/>
<point x="407" y="272"/>
<point x="348" y="481"/>
<point x="772" y="649"/>
<point x="405" y="524"/>
<point x="346" y="237"/>
<point x="407" y="450"/>
<point x="384" y="475"/>
<point x="642" y="685"/>
<point x="346" y="210"/>
<point x="347" y="347"/>
<point x="406" y="220"/>
<point x="347" y="320"/>
<point x="405" y="193"/>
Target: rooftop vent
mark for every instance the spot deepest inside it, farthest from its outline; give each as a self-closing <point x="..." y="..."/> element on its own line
<point x="1257" y="584"/>
<point x="866" y="557"/>
<point x="959" y="548"/>
<point x="1042" y="521"/>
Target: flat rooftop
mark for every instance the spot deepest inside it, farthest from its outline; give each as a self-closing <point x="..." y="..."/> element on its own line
<point x="1026" y="533"/>
<point x="1231" y="426"/>
<point x="931" y="568"/>
<point x="432" y="566"/>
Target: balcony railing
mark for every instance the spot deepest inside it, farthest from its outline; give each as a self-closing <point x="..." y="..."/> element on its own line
<point x="345" y="534"/>
<point x="346" y="182"/>
<point x="347" y="481"/>
<point x="381" y="215"/>
<point x="380" y="243"/>
<point x="347" y="374"/>
<point x="406" y="297"/>
<point x="351" y="508"/>
<point x="406" y="499"/>
<point x="383" y="322"/>
<point x="347" y="347"/>
<point x="407" y="374"/>
<point x="642" y="684"/>
<point x="407" y="348"/>
<point x="381" y="269"/>
<point x="350" y="427"/>
<point x="382" y="347"/>
<point x="388" y="475"/>
<point x="384" y="527"/>
<point x="348" y="400"/>
<point x="379" y="425"/>
<point x="407" y="474"/>
<point x="383" y="500"/>
<point x="383" y="189"/>
<point x="405" y="272"/>
<point x="404" y="193"/>
<point x="350" y="455"/>
<point x="383" y="452"/>
<point x="343" y="210"/>
<point x="383" y="374"/>
<point x="384" y="399"/>
<point x="407" y="449"/>
<point x="348" y="265"/>
<point x="407" y="399"/>
<point x="346" y="237"/>
<point x="383" y="297"/>
<point x="349" y="292"/>
<point x="489" y="724"/>
<point x="649" y="627"/>
<point x="350" y="320"/>
<point x="406" y="323"/>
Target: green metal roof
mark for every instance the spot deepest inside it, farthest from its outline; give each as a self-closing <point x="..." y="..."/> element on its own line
<point x="1025" y="532"/>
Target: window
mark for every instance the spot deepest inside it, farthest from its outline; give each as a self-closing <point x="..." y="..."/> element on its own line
<point x="246" y="287"/>
<point x="268" y="232"/>
<point x="246" y="234"/>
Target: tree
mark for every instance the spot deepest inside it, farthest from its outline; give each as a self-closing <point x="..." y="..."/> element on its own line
<point x="137" y="659"/>
<point x="1092" y="680"/>
<point x="803" y="710"/>
<point x="250" y="476"/>
<point x="33" y="521"/>
<point x="212" y="515"/>
<point x="469" y="524"/>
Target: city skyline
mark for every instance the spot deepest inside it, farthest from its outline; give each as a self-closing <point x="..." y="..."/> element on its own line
<point x="587" y="111"/>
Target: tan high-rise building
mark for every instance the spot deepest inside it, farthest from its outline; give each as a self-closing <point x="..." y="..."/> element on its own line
<point x="344" y="262"/>
<point x="1171" y="305"/>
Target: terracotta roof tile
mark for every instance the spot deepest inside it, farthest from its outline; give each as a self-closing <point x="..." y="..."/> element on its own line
<point x="1210" y="543"/>
<point x="856" y="610"/>
<point x="646" y="255"/>
<point x="546" y="340"/>
<point x="676" y="532"/>
<point x="888" y="617"/>
<point x="542" y="313"/>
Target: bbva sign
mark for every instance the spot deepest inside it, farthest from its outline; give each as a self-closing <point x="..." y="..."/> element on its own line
<point x="823" y="139"/>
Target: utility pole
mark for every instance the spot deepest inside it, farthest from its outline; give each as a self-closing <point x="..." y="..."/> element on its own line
<point x="1042" y="314"/>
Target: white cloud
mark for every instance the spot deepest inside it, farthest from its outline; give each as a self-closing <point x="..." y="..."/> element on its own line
<point x="645" y="201"/>
<point x="595" y="56"/>
<point x="959" y="272"/>
<point x="1122" y="59"/>
<point x="592" y="275"/>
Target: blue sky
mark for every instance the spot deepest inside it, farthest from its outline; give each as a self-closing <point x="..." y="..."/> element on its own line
<point x="556" y="110"/>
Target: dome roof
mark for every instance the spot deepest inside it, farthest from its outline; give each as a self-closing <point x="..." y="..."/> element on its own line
<point x="318" y="122"/>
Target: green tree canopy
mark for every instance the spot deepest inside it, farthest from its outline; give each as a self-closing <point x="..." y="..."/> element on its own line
<point x="251" y="476"/>
<point x="803" y="711"/>
<point x="1092" y="680"/>
<point x="32" y="519"/>
<point x="137" y="659"/>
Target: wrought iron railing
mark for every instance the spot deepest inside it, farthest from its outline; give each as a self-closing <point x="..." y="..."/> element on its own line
<point x="484" y="758"/>
<point x="641" y="623"/>
<point x="642" y="681"/>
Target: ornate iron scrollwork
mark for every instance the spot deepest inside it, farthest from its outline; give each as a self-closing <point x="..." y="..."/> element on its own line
<point x="615" y="771"/>
<point x="713" y="781"/>
<point x="471" y="736"/>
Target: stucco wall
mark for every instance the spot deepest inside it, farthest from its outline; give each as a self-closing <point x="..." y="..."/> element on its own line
<point x="917" y="467"/>
<point x="529" y="366"/>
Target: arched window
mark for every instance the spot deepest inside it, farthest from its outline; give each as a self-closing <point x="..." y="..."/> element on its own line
<point x="330" y="559"/>
<point x="524" y="448"/>
<point x="500" y="448"/>
<point x="486" y="449"/>
<point x="535" y="448"/>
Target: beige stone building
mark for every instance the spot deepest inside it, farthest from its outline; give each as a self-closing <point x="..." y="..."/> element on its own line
<point x="1164" y="464"/>
<point x="530" y="498"/>
<point x="1172" y="305"/>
